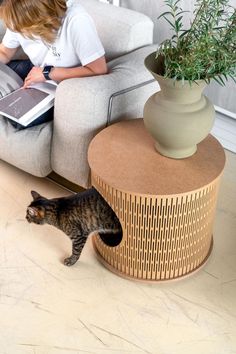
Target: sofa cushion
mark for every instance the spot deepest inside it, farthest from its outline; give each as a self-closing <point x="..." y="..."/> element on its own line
<point x="28" y="149"/>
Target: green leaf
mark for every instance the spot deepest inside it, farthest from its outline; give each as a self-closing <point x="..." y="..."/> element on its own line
<point x="232" y="77"/>
<point x="184" y="33"/>
<point x="176" y="2"/>
<point x="219" y="80"/>
<point x="165" y="13"/>
<point x="179" y="19"/>
<point x="171" y="24"/>
<point x="181" y="12"/>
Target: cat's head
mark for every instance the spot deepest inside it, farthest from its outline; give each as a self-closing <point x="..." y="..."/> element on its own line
<point x="37" y="210"/>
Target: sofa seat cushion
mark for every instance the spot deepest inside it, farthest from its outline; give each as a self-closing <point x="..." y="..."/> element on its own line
<point x="28" y="149"/>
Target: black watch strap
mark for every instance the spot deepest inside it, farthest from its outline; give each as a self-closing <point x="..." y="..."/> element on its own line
<point x="46" y="71"/>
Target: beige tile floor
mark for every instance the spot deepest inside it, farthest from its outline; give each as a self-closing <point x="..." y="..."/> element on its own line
<point x="47" y="308"/>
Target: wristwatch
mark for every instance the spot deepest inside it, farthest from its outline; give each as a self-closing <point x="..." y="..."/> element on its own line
<point x="46" y="71"/>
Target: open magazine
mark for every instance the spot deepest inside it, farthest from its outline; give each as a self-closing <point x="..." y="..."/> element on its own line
<point x="25" y="105"/>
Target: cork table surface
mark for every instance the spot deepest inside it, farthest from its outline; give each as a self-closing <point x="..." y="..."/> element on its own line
<point x="123" y="156"/>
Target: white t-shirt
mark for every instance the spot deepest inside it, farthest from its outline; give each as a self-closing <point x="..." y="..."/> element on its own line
<point x="77" y="42"/>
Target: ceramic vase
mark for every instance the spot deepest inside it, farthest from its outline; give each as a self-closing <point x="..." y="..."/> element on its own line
<point x="179" y="116"/>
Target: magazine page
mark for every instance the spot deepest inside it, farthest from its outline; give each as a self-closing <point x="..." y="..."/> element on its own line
<point x="48" y="86"/>
<point x="9" y="80"/>
<point x="25" y="105"/>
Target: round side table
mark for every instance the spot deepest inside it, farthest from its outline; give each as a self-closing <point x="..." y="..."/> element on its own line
<point x="166" y="207"/>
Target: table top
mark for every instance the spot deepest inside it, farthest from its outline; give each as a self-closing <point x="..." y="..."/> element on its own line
<point x="124" y="157"/>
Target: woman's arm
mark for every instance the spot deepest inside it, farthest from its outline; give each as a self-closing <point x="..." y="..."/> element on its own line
<point x="6" y="54"/>
<point x="97" y="67"/>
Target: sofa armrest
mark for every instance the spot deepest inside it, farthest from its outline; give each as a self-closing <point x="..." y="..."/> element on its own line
<point x="82" y="107"/>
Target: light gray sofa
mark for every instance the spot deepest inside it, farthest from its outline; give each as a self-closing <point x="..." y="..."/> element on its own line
<point x="84" y="106"/>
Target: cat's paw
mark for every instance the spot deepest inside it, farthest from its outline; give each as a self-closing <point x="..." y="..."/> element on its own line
<point x="70" y="261"/>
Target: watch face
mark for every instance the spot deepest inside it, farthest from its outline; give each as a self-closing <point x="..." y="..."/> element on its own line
<point x="46" y="71"/>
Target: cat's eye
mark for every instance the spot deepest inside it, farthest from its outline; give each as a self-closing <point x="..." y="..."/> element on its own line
<point x="31" y="211"/>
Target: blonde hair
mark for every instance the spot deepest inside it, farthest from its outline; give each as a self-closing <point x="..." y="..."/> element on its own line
<point x="34" y="18"/>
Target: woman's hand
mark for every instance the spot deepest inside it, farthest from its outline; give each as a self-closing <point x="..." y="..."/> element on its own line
<point x="35" y="75"/>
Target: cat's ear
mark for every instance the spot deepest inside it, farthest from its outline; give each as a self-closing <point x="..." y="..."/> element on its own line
<point x="35" y="212"/>
<point x="35" y="195"/>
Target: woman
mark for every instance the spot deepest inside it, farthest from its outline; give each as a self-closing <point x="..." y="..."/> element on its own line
<point x="58" y="36"/>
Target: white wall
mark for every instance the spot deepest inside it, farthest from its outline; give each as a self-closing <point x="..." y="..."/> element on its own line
<point x="153" y="8"/>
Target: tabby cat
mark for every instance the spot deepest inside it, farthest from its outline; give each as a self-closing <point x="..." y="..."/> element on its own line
<point x="77" y="216"/>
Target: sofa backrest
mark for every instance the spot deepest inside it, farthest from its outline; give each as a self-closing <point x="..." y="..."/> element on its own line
<point x="121" y="30"/>
<point x="2" y="30"/>
<point x="19" y="54"/>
